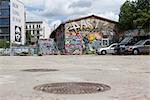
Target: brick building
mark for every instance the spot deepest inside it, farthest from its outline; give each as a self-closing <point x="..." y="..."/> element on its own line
<point x="84" y="35"/>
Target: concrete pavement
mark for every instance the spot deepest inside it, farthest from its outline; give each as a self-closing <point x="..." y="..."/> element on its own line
<point x="128" y="76"/>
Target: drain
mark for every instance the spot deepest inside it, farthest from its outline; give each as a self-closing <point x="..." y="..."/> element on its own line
<point x="40" y="70"/>
<point x="72" y="88"/>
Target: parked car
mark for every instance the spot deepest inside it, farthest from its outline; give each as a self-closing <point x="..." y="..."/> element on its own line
<point x="142" y="46"/>
<point x="107" y="50"/>
<point x="123" y="46"/>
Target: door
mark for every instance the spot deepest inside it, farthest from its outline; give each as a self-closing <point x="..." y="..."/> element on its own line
<point x="112" y="47"/>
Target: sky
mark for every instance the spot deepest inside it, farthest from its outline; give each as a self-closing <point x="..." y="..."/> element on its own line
<point x="56" y="11"/>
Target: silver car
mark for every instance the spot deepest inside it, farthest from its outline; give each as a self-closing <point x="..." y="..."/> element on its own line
<point x="142" y="46"/>
<point x="107" y="50"/>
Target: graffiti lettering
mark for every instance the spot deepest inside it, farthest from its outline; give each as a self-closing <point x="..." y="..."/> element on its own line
<point x="86" y="35"/>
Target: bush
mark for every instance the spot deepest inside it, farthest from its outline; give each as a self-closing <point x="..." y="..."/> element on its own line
<point x="4" y="43"/>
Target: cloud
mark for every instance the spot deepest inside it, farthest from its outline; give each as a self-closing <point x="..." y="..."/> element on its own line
<point x="61" y="10"/>
<point x="110" y="15"/>
<point x="55" y="23"/>
<point x="80" y="4"/>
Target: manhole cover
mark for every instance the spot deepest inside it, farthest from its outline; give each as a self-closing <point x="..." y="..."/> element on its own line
<point x="72" y="88"/>
<point x="40" y="70"/>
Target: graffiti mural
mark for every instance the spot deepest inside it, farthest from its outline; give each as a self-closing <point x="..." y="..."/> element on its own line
<point x="86" y="35"/>
<point x="47" y="47"/>
<point x="74" y="45"/>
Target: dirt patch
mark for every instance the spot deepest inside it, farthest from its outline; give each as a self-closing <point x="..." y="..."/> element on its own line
<point x="40" y="70"/>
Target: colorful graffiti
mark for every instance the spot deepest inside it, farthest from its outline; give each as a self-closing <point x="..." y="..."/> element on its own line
<point x="73" y="45"/>
<point x="85" y="36"/>
<point x="47" y="47"/>
<point x="90" y="24"/>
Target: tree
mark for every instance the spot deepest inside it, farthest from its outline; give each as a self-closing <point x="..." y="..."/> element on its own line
<point x="126" y="16"/>
<point x="4" y="43"/>
<point x="28" y="38"/>
<point x="142" y="15"/>
<point x="135" y="15"/>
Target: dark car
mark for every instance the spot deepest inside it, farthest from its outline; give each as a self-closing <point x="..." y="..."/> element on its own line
<point x="142" y="46"/>
<point x="123" y="46"/>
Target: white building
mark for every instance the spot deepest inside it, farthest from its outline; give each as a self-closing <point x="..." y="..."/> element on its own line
<point x="12" y="21"/>
<point x="38" y="29"/>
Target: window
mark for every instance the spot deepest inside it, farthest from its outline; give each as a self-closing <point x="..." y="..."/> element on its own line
<point x="33" y="26"/>
<point x="105" y="42"/>
<point x="33" y="32"/>
<point x="147" y="43"/>
<point x="4" y="4"/>
<point x="4" y="12"/>
<point x="4" y="30"/>
<point x="114" y="46"/>
<point x="4" y="21"/>
<point x="38" y="32"/>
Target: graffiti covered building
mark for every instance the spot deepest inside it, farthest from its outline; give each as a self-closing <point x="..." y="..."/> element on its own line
<point x="84" y="35"/>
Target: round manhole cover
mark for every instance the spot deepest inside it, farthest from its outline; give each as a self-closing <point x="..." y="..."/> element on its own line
<point x="40" y="70"/>
<point x="72" y="88"/>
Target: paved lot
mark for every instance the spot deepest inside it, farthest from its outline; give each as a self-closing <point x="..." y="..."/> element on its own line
<point x="128" y="76"/>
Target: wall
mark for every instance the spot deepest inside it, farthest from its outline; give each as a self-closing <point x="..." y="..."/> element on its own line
<point x="17" y="51"/>
<point x="60" y="38"/>
<point x="46" y="30"/>
<point x="47" y="47"/>
<point x="17" y="22"/>
<point x="86" y="35"/>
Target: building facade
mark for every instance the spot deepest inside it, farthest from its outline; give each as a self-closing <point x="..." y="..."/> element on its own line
<point x="12" y="22"/>
<point x="37" y="30"/>
<point x="84" y="35"/>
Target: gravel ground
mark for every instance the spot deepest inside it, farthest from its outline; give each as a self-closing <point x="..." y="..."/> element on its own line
<point x="128" y="76"/>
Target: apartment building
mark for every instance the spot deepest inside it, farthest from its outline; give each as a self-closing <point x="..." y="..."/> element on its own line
<point x="12" y="23"/>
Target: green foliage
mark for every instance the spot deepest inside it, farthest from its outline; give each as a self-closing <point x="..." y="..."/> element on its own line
<point x="28" y="38"/>
<point x="135" y="15"/>
<point x="4" y="43"/>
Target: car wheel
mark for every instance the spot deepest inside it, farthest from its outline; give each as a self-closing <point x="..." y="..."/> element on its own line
<point x="135" y="51"/>
<point x="103" y="52"/>
<point x="98" y="53"/>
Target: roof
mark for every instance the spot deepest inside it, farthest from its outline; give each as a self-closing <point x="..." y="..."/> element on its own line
<point x="53" y="32"/>
<point x="78" y="19"/>
<point x="34" y="22"/>
<point x="98" y="17"/>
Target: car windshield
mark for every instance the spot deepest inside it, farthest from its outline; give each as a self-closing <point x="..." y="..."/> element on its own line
<point x="114" y="45"/>
<point x="126" y="40"/>
<point x="140" y="42"/>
